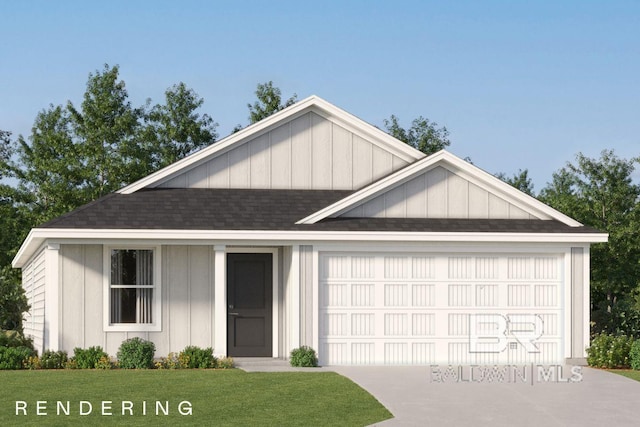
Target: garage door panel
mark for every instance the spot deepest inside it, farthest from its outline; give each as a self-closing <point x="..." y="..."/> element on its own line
<point x="423" y="353"/>
<point x="487" y="267"/>
<point x="396" y="295"/>
<point x="362" y="267"/>
<point x="487" y="295"/>
<point x="335" y="295"/>
<point x="363" y="324"/>
<point x="363" y="295"/>
<point x="423" y="324"/>
<point x="459" y="295"/>
<point x="396" y="353"/>
<point x="460" y="267"/>
<point x="550" y="324"/>
<point x="423" y="267"/>
<point x="545" y="295"/>
<point x="363" y="353"/>
<point x="396" y="267"/>
<point x="415" y="308"/>
<point x="423" y="295"/>
<point x="546" y="268"/>
<point x="335" y="267"/>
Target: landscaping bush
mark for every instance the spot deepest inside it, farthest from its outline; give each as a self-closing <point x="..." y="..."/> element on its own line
<point x="71" y="364"/>
<point x="53" y="359"/>
<point x="86" y="358"/>
<point x="172" y="361"/>
<point x="14" y="339"/>
<point x="634" y="355"/>
<point x="31" y="363"/>
<point x="224" y="363"/>
<point x="136" y="353"/>
<point x="193" y="357"/>
<point x="304" y="357"/>
<point x="104" y="363"/>
<point x="609" y="351"/>
<point x="15" y="357"/>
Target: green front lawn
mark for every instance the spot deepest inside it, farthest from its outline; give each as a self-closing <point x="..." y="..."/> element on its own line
<point x="634" y="375"/>
<point x="218" y="397"/>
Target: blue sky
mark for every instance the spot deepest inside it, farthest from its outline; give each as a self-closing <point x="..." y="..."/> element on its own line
<point x="519" y="84"/>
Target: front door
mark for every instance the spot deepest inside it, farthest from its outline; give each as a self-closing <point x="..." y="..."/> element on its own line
<point x="249" y="304"/>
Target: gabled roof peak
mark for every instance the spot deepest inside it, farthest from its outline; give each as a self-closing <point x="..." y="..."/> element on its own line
<point x="457" y="165"/>
<point x="312" y="103"/>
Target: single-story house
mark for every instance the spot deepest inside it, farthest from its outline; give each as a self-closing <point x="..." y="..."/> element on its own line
<point x="315" y="228"/>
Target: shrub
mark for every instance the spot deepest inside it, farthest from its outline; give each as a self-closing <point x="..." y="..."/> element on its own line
<point x="609" y="351"/>
<point x="172" y="361"/>
<point x="634" y="355"/>
<point x="53" y="359"/>
<point x="32" y="363"/>
<point x="304" y="357"/>
<point x="86" y="359"/>
<point x="224" y="363"/>
<point x="104" y="363"/>
<point x="15" y="357"/>
<point x="193" y="357"/>
<point x="136" y="353"/>
<point x="14" y="339"/>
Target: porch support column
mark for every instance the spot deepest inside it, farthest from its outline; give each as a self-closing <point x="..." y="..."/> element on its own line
<point x="294" y="282"/>
<point x="52" y="301"/>
<point x="220" y="300"/>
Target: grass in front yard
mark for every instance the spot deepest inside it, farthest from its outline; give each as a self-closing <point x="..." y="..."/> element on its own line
<point x="218" y="397"/>
<point x="629" y="373"/>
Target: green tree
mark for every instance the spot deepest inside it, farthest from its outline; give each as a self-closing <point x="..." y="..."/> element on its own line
<point x="49" y="169"/>
<point x="75" y="155"/>
<point x="423" y="135"/>
<point x="601" y="193"/>
<point x="175" y="129"/>
<point x="13" y="302"/>
<point x="521" y="180"/>
<point x="269" y="102"/>
<point x="5" y="146"/>
<point x="104" y="132"/>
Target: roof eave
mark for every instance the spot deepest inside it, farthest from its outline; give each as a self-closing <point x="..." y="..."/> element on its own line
<point x="38" y="236"/>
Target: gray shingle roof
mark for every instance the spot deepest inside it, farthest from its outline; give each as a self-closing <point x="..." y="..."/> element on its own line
<point x="235" y="209"/>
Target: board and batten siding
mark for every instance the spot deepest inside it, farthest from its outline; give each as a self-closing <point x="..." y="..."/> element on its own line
<point x="438" y="193"/>
<point x="33" y="282"/>
<point x="187" y="300"/>
<point x="309" y="152"/>
<point x="296" y="298"/>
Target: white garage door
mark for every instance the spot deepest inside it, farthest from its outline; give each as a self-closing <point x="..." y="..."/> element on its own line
<point x="422" y="309"/>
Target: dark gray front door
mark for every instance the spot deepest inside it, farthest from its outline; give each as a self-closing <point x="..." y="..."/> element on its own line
<point x="249" y="304"/>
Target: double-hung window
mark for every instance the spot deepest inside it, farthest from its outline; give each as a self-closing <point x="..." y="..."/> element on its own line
<point x="133" y="288"/>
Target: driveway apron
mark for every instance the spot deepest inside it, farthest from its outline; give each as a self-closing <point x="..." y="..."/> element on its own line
<point x="422" y="396"/>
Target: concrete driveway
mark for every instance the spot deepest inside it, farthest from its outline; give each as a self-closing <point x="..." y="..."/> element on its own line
<point x="420" y="396"/>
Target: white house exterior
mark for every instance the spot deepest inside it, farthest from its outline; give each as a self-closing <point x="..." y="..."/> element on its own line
<point x="314" y="228"/>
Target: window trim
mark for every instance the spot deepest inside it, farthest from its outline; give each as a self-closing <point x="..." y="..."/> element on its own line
<point x="156" y="326"/>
